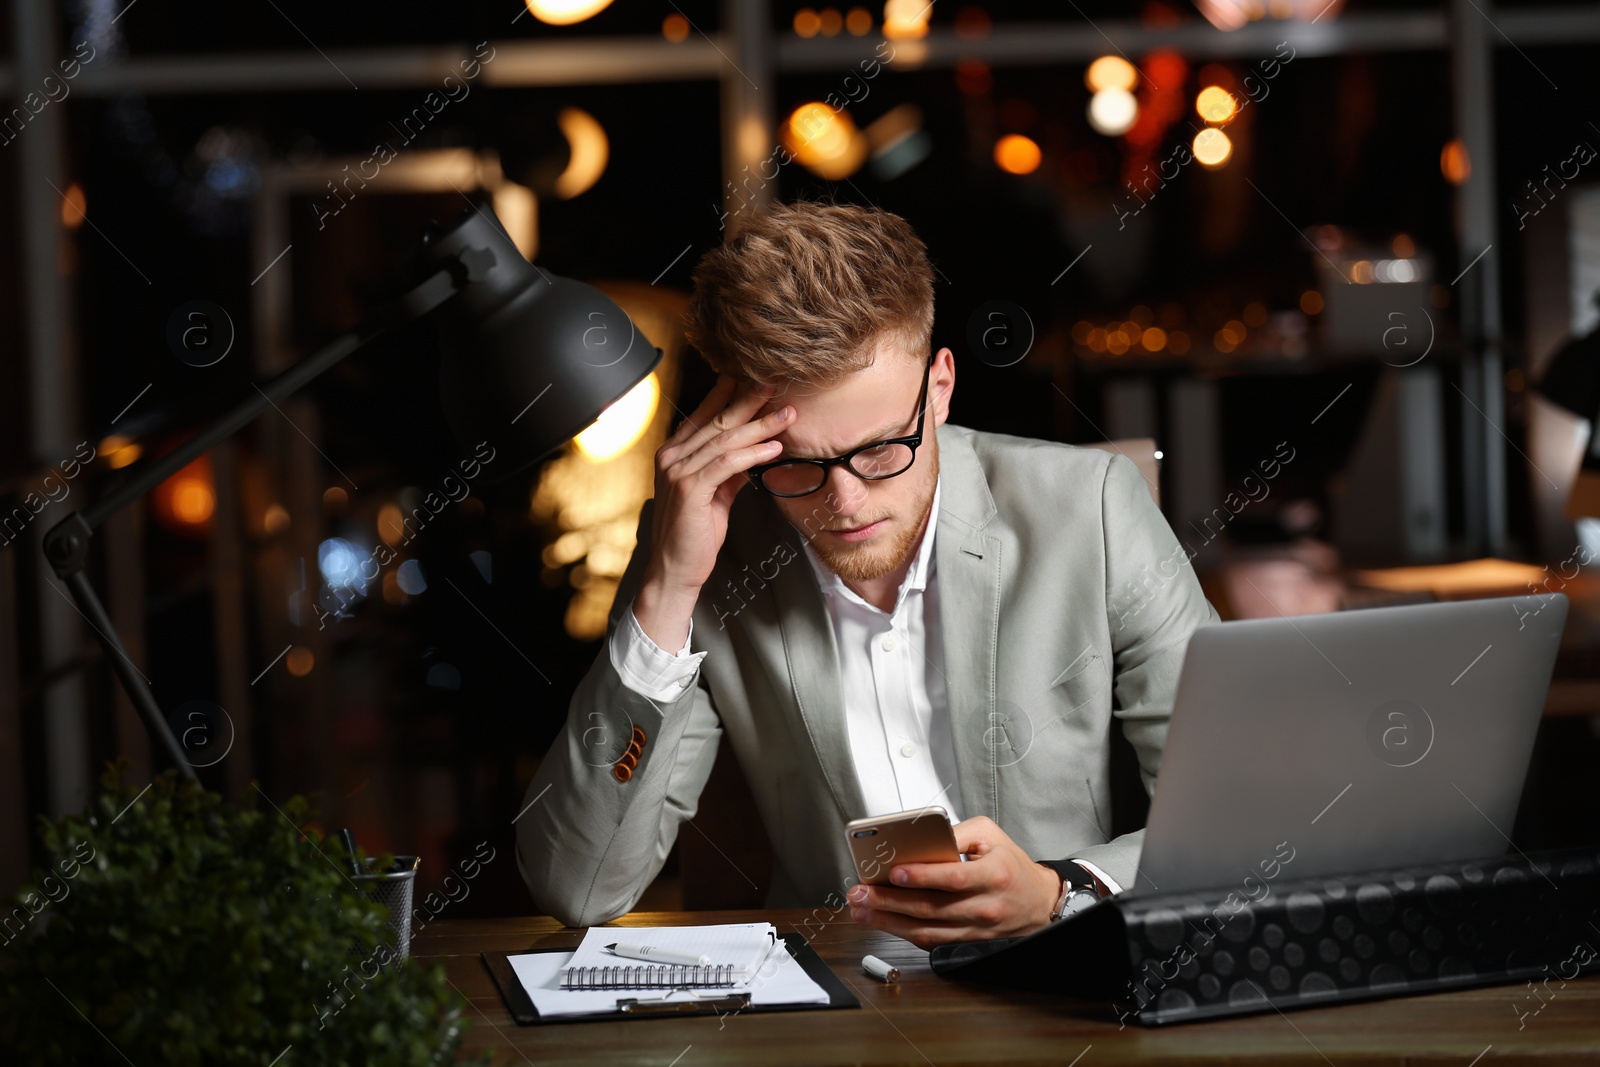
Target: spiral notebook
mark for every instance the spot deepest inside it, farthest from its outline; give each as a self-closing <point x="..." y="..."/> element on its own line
<point x="736" y="951"/>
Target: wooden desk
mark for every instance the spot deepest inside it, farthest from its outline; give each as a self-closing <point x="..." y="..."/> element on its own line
<point x="930" y="1020"/>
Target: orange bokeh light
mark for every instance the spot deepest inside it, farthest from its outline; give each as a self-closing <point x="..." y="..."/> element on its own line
<point x="1016" y="154"/>
<point x="1454" y="163"/>
<point x="186" y="501"/>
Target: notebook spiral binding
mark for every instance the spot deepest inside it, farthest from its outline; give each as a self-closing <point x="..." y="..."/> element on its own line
<point x="648" y="976"/>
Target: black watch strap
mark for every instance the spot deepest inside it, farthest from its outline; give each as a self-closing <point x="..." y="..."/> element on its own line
<point x="1075" y="873"/>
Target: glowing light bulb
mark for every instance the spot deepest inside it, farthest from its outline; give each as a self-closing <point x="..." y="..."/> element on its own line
<point x="621" y="424"/>
<point x="565" y="12"/>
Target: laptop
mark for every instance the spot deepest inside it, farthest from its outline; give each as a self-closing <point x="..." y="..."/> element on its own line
<point x="1351" y="741"/>
<point x="1304" y="748"/>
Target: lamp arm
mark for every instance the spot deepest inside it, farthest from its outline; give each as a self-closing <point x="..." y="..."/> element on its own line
<point x="133" y="682"/>
<point x="413" y="305"/>
<point x="66" y="544"/>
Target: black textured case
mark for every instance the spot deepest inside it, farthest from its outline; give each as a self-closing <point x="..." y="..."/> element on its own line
<point x="1178" y="957"/>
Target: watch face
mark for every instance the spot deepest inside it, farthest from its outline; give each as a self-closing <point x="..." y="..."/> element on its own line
<point x="1078" y="900"/>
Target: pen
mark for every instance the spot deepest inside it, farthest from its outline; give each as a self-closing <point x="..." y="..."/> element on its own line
<point x="651" y="954"/>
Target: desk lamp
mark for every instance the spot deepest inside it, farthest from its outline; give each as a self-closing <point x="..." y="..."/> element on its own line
<point x="1572" y="380"/>
<point x="512" y="336"/>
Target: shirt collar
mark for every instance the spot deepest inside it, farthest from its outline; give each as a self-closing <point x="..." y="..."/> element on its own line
<point x="916" y="579"/>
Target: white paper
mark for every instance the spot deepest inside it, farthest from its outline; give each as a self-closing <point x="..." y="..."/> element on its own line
<point x="781" y="980"/>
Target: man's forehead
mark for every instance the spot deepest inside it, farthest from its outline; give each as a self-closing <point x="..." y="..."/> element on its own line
<point x="881" y="380"/>
<point x="866" y="405"/>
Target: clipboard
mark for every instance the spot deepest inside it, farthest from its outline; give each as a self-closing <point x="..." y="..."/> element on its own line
<point x="524" y="1013"/>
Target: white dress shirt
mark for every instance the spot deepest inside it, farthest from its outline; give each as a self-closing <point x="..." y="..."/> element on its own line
<point x="891" y="666"/>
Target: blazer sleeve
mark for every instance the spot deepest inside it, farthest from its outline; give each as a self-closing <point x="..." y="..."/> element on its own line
<point x="1153" y="603"/>
<point x="590" y="840"/>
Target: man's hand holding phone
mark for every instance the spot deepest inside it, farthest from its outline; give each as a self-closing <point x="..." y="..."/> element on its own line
<point x="998" y="892"/>
<point x="699" y="470"/>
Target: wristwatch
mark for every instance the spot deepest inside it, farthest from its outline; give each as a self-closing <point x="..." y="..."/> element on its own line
<point x="1078" y="891"/>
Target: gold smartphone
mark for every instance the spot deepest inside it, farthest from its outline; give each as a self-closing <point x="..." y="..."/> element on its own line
<point x="920" y="836"/>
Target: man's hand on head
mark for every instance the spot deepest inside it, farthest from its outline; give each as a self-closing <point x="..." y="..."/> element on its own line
<point x="699" y="470"/>
<point x="998" y="892"/>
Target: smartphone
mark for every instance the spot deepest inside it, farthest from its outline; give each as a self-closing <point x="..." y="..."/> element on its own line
<point x="920" y="836"/>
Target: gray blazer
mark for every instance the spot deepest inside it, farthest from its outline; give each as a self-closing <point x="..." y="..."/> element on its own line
<point x="1066" y="603"/>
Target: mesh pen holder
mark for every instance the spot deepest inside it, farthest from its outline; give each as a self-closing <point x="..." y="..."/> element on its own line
<point x="392" y="889"/>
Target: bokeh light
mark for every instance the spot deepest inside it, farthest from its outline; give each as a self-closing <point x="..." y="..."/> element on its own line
<point x="1016" y="154"/>
<point x="193" y="501"/>
<point x="1215" y="104"/>
<point x="906" y="19"/>
<point x="1113" y="111"/>
<point x="824" y="141"/>
<point x="410" y="578"/>
<point x="589" y="152"/>
<point x="74" y="207"/>
<point x="391" y="523"/>
<point x="973" y="77"/>
<point x="973" y="23"/>
<point x="119" y="451"/>
<point x="340" y="562"/>
<point x="1111" y="72"/>
<point x="300" y="661"/>
<point x="186" y="501"/>
<point x="1212" y="148"/>
<point x="1454" y="163"/>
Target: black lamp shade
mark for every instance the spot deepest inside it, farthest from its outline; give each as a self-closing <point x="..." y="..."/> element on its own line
<point x="1573" y="377"/>
<point x="530" y="359"/>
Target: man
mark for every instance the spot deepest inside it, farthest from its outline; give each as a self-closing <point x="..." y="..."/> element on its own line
<point x="880" y="612"/>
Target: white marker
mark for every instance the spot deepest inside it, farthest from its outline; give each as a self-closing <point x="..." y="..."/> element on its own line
<point x="880" y="970"/>
<point x="651" y="954"/>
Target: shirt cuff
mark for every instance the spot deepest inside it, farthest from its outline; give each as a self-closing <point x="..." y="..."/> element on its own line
<point x="648" y="669"/>
<point x="1105" y="879"/>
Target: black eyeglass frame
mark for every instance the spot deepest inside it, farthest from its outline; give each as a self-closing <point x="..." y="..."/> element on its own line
<point x="913" y="442"/>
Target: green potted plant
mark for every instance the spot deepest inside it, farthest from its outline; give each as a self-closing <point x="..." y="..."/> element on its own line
<point x="169" y="927"/>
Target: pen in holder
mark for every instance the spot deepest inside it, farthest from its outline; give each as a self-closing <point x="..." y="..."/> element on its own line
<point x="392" y="888"/>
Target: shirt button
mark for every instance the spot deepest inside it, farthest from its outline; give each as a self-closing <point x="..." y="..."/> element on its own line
<point x="684" y="683"/>
<point x="889" y="643"/>
<point x="908" y="750"/>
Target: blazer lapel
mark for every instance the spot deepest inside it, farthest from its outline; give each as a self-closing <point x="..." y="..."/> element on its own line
<point x="968" y="572"/>
<point x="808" y="650"/>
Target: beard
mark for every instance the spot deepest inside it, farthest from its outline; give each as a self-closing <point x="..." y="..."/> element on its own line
<point x="881" y="555"/>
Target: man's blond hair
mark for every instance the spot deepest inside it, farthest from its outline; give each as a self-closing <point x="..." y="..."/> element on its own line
<point x="805" y="292"/>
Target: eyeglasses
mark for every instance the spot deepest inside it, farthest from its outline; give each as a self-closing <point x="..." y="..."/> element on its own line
<point x="873" y="462"/>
